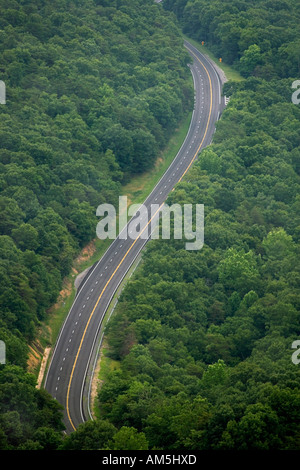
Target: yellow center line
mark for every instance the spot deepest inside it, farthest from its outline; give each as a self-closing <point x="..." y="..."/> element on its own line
<point x="131" y="246"/>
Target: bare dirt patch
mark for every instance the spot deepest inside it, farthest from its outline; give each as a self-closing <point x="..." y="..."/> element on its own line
<point x="34" y="358"/>
<point x="85" y="253"/>
<point x="43" y="367"/>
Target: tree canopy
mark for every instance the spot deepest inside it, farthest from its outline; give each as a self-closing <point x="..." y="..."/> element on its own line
<point x="259" y="37"/>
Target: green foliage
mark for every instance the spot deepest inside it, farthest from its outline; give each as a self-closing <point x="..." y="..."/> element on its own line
<point x="92" y="435"/>
<point x="129" y="439"/>
<point x="29" y="418"/>
<point x="259" y="37"/>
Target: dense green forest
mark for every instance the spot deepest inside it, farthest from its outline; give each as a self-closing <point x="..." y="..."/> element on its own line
<point x="259" y="37"/>
<point x="94" y="92"/>
<point x="203" y="339"/>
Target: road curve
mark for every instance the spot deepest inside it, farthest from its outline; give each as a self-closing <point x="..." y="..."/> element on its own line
<point x="71" y="365"/>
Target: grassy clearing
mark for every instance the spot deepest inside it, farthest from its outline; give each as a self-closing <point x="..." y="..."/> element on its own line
<point x="106" y="365"/>
<point x="229" y="71"/>
<point x="141" y="186"/>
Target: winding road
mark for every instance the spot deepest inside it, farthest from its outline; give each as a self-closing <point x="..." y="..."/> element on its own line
<point x="71" y="368"/>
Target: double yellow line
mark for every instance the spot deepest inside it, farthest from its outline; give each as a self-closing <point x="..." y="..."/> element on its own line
<point x="131" y="246"/>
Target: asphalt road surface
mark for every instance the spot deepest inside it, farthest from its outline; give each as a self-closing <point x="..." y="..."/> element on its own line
<point x="71" y="367"/>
